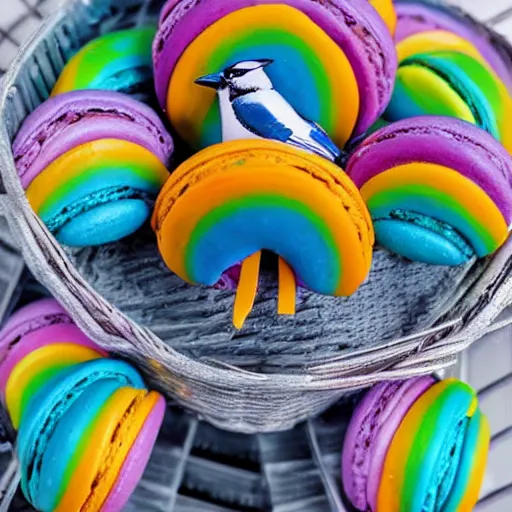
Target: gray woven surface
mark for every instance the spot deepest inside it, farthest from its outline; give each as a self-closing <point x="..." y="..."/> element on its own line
<point x="398" y="298"/>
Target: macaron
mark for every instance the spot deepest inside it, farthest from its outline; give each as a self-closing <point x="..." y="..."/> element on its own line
<point x="452" y="84"/>
<point x="418" y="16"/>
<point x="92" y="164"/>
<point x="416" y="445"/>
<point x="442" y="73"/>
<point x="87" y="424"/>
<point x="340" y="54"/>
<point x="438" y="189"/>
<point x="118" y="61"/>
<point x="231" y="201"/>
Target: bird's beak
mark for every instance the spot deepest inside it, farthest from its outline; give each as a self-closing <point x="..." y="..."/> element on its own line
<point x="214" y="81"/>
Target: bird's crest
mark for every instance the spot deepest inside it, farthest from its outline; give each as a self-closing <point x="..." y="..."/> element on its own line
<point x="241" y="68"/>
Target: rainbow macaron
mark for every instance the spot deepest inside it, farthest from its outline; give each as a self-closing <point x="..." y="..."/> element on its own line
<point x="118" y="61"/>
<point x="86" y="424"/>
<point x="340" y="55"/>
<point x="441" y="73"/>
<point x="92" y="164"/>
<point x="433" y="18"/>
<point x="231" y="201"/>
<point x="438" y="189"/>
<point x="416" y="446"/>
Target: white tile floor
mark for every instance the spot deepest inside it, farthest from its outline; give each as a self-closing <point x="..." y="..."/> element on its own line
<point x="487" y="365"/>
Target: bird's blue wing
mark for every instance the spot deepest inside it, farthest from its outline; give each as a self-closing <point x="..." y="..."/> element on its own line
<point x="320" y="136"/>
<point x="259" y="120"/>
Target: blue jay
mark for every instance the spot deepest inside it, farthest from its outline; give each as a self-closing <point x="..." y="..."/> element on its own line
<point x="251" y="108"/>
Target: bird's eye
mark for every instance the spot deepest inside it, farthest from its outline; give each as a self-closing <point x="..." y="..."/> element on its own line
<point x="236" y="73"/>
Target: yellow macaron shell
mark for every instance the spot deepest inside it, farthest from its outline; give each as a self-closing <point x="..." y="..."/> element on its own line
<point x="34" y="370"/>
<point x="434" y="41"/>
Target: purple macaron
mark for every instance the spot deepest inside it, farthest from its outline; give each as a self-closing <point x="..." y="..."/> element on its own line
<point x="416" y="16"/>
<point x="352" y="24"/>
<point x="35" y="326"/>
<point x="371" y="430"/>
<point x="92" y="163"/>
<point x="439" y="189"/>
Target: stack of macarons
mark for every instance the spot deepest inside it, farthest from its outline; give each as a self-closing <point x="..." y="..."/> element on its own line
<point x="86" y="424"/>
<point x="443" y="71"/>
<point x="416" y="446"/>
<point x="92" y="163"/>
<point x="333" y="63"/>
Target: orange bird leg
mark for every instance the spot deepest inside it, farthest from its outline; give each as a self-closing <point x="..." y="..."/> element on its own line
<point x="287" y="289"/>
<point x="247" y="288"/>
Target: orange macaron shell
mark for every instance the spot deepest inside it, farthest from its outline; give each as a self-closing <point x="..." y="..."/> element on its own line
<point x="246" y="196"/>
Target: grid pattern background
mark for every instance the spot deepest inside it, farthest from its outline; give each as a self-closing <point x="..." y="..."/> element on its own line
<point x="194" y="465"/>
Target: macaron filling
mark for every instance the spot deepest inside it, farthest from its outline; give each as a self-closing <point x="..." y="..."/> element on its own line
<point x="448" y="464"/>
<point x="433" y="240"/>
<point x="72" y="212"/>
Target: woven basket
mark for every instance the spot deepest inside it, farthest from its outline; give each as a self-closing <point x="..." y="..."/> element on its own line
<point x="408" y="319"/>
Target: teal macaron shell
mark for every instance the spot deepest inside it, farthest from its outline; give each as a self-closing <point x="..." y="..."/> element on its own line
<point x="411" y="237"/>
<point x="469" y="459"/>
<point x="438" y="454"/>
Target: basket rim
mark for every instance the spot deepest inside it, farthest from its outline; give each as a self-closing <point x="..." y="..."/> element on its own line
<point x="406" y="357"/>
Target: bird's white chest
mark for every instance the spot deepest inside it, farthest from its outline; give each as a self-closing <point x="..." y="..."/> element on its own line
<point x="232" y="129"/>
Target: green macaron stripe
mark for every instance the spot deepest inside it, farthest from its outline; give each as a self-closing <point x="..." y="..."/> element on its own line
<point x="77" y="457"/>
<point x="111" y="53"/>
<point x="470" y="80"/>
<point x="37" y="383"/>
